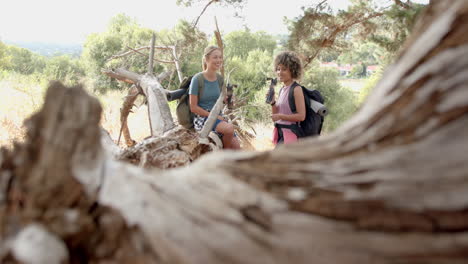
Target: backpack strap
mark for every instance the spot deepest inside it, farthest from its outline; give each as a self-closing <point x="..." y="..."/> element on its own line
<point x="201" y="82"/>
<point x="292" y="103"/>
<point x="220" y="79"/>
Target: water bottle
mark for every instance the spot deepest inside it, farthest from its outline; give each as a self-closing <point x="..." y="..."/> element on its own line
<point x="271" y="91"/>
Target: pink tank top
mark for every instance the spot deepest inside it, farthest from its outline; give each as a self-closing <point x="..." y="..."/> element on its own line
<point x="283" y="105"/>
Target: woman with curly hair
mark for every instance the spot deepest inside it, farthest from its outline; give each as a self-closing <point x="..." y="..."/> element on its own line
<point x="288" y="68"/>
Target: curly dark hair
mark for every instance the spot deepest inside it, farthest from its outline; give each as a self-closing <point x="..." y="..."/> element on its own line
<point x="291" y="61"/>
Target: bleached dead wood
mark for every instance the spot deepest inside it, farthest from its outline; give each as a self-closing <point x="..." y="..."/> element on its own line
<point x="151" y="56"/>
<point x="153" y="47"/>
<point x="389" y="187"/>
<point x="127" y="106"/>
<point x="159" y="114"/>
<point x="158" y="109"/>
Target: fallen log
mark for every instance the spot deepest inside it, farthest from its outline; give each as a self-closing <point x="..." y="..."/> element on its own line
<point x="390" y="186"/>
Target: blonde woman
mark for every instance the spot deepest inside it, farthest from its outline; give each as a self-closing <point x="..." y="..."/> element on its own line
<point x="201" y="105"/>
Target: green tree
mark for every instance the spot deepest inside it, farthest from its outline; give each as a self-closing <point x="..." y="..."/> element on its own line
<point x="340" y="101"/>
<point x="368" y="53"/>
<point x="24" y="61"/>
<point x="250" y="75"/>
<point x="122" y="32"/>
<point x="240" y="43"/>
<point x="233" y="3"/>
<point x="63" y="68"/>
<point x="358" y="71"/>
<point x="320" y="29"/>
<point x="4" y="58"/>
<point x="190" y="43"/>
<point x="395" y="26"/>
<point x="369" y="85"/>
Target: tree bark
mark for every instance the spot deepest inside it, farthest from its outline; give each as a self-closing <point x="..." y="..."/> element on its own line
<point x="151" y="56"/>
<point x="124" y="112"/>
<point x="159" y="114"/>
<point x="390" y="186"/>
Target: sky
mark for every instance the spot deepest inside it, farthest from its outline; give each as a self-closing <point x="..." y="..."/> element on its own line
<point x="69" y="22"/>
<point x="65" y="21"/>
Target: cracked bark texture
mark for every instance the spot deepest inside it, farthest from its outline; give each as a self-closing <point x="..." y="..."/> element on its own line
<point x="390" y="186"/>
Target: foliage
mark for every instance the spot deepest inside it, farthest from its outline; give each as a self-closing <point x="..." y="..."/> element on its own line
<point x="363" y="20"/>
<point x="395" y="26"/>
<point x="23" y="61"/>
<point x="340" y="101"/>
<point x="358" y="71"/>
<point x="18" y="61"/>
<point x="63" y="68"/>
<point x="368" y="53"/>
<point x="122" y="32"/>
<point x="4" y="58"/>
<point x="190" y="44"/>
<point x="250" y="57"/>
<point x="369" y="85"/>
<point x="233" y="3"/>
<point x="240" y="43"/>
<point x="250" y="75"/>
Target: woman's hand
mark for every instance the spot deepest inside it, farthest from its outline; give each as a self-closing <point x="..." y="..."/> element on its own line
<point x="221" y="118"/>
<point x="276" y="117"/>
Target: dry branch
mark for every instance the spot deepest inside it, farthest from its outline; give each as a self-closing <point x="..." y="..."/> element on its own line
<point x="203" y="11"/>
<point x="329" y="37"/>
<point x="136" y="50"/>
<point x="151" y="56"/>
<point x="124" y="112"/>
<point x="159" y="114"/>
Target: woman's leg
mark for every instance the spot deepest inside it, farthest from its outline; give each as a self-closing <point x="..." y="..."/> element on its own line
<point x="235" y="144"/>
<point x="228" y="135"/>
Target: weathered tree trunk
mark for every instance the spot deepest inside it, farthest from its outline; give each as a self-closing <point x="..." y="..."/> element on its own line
<point x="159" y="114"/>
<point x="390" y="186"/>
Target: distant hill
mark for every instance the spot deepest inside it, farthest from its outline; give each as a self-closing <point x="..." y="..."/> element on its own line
<point x="50" y="49"/>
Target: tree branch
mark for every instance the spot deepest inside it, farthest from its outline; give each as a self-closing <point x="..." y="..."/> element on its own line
<point x="137" y="50"/>
<point x="151" y="55"/>
<point x="203" y="11"/>
<point x="177" y="65"/>
<point x="124" y="75"/>
<point x="329" y="39"/>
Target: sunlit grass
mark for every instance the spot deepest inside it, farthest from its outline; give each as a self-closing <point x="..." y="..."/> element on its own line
<point x="20" y="98"/>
